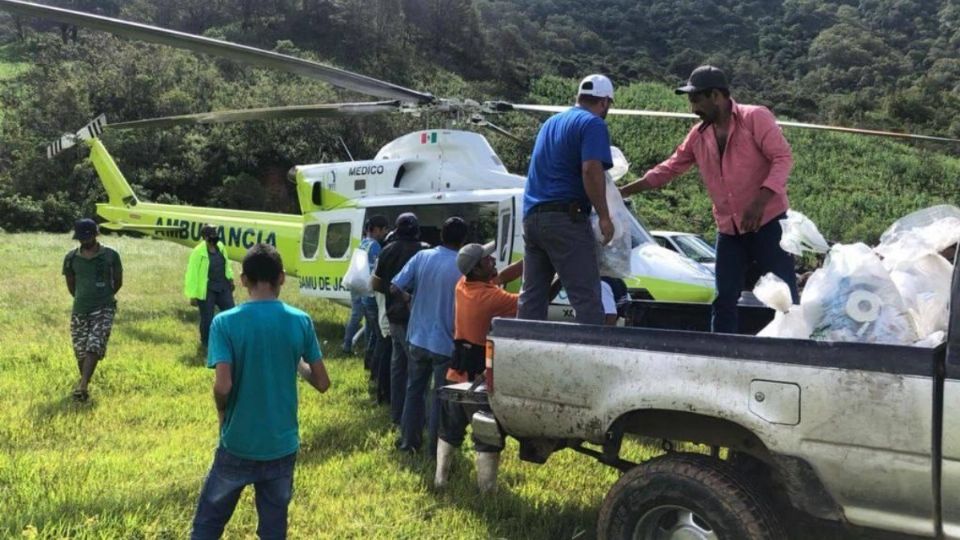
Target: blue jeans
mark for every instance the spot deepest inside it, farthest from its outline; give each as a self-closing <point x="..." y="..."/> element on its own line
<point x="372" y="331"/>
<point x="272" y="480"/>
<point x="735" y="253"/>
<point x="398" y="371"/>
<point x="207" y="306"/>
<point x="422" y="363"/>
<point x="353" y="323"/>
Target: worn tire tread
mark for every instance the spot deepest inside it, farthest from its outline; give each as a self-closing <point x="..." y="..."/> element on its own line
<point x="737" y="495"/>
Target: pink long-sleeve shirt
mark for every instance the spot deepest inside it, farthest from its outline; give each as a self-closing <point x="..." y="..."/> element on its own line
<point x="757" y="155"/>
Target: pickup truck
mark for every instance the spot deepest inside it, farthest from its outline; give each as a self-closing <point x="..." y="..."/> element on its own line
<point x="864" y="435"/>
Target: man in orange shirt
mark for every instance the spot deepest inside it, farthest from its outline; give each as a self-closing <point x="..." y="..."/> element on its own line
<point x="478" y="299"/>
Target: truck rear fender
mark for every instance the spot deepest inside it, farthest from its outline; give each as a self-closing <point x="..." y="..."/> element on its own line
<point x="787" y="475"/>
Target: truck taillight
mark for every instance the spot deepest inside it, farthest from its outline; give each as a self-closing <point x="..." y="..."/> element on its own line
<point x="488" y="370"/>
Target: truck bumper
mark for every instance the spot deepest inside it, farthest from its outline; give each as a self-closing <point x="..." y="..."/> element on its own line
<point x="486" y="429"/>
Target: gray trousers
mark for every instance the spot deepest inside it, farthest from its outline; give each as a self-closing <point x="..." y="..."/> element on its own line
<point x="556" y="243"/>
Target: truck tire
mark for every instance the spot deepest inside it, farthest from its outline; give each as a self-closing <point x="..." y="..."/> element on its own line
<point x="685" y="496"/>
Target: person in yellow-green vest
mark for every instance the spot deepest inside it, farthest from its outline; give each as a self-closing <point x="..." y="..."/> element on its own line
<point x="209" y="280"/>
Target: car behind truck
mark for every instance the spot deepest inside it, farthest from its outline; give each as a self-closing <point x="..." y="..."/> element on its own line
<point x="862" y="434"/>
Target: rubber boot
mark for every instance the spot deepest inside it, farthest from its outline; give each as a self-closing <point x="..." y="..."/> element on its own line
<point x="445" y="453"/>
<point x="487" y="465"/>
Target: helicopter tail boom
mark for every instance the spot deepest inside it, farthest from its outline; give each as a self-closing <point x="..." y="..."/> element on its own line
<point x="118" y="189"/>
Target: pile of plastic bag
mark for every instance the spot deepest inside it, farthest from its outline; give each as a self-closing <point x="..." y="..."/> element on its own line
<point x="896" y="293"/>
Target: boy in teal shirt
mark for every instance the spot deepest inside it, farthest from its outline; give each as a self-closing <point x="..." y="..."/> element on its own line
<point x="257" y="349"/>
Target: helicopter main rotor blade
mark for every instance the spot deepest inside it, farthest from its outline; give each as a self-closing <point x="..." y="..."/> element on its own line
<point x="622" y="112"/>
<point x="240" y="53"/>
<point x="868" y="132"/>
<point x="640" y="112"/>
<point x="326" y="110"/>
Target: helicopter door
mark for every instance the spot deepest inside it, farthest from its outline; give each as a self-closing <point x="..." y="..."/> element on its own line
<point x="505" y="225"/>
<point x="328" y="241"/>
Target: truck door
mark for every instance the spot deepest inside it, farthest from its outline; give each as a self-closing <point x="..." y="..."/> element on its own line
<point x="328" y="240"/>
<point x="947" y="411"/>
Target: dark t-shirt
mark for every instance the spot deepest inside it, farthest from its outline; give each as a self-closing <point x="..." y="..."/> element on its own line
<point x="389" y="263"/>
<point x="217" y="274"/>
<point x="94" y="278"/>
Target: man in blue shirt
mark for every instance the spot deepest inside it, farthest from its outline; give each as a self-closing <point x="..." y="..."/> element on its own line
<point x="431" y="278"/>
<point x="257" y="349"/>
<point x="566" y="179"/>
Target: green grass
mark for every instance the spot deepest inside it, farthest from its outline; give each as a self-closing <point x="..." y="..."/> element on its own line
<point x="130" y="463"/>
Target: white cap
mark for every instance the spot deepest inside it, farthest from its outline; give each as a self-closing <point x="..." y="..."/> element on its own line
<point x="596" y="85"/>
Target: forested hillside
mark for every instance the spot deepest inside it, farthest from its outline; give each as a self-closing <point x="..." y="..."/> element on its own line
<point x="892" y="64"/>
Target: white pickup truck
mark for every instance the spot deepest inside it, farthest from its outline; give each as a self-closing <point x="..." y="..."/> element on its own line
<point x="860" y="434"/>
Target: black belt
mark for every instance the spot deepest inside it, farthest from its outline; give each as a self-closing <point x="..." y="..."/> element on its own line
<point x="566" y="207"/>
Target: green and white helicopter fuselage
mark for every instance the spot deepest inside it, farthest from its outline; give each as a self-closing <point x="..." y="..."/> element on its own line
<point x="436" y="174"/>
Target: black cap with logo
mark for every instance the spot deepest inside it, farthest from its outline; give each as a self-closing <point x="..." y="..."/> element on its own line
<point x="703" y="78"/>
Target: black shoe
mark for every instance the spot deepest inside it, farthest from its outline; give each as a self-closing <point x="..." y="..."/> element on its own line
<point x="398" y="444"/>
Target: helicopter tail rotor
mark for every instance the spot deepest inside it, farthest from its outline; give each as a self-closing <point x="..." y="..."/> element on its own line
<point x="93" y="130"/>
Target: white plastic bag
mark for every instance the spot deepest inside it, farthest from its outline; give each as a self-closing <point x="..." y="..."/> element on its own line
<point x="773" y="292"/>
<point x="384" y="323"/>
<point x="791" y="324"/>
<point x="357" y="278"/>
<point x="853" y="298"/>
<point x="800" y="234"/>
<point x="620" y="164"/>
<point x="924" y="285"/>
<point x="914" y="235"/>
<point x="788" y="322"/>
<point x="614" y="258"/>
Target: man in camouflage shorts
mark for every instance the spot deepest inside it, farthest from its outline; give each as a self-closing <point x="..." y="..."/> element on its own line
<point x="94" y="274"/>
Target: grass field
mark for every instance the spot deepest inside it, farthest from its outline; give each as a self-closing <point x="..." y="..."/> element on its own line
<point x="129" y="464"/>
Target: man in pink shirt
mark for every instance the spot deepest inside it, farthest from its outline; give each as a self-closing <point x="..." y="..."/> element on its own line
<point x="744" y="162"/>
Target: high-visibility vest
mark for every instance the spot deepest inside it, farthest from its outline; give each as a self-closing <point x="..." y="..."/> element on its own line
<point x="195" y="280"/>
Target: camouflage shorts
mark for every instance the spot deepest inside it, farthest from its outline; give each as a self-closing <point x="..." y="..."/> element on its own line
<point x="90" y="332"/>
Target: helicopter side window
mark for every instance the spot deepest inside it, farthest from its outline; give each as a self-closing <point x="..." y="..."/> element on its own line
<point x="338" y="240"/>
<point x="311" y="241"/>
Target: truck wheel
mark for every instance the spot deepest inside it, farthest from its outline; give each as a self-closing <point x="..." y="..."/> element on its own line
<point x="687" y="496"/>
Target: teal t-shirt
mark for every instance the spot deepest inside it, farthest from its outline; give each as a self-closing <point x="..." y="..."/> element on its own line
<point x="263" y="341"/>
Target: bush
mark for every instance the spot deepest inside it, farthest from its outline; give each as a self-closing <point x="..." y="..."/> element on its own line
<point x="23" y="213"/>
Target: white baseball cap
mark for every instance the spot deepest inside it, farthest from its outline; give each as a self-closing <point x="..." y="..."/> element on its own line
<point x="596" y="85"/>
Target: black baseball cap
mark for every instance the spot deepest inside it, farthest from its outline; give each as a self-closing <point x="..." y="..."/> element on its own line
<point x="703" y="78"/>
<point x="407" y="225"/>
<point x="85" y="229"/>
<point x="209" y="232"/>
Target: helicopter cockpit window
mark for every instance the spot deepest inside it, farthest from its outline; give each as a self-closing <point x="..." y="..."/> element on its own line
<point x="338" y="240"/>
<point x="311" y="241"/>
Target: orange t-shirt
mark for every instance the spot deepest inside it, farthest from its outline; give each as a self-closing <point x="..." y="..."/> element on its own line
<point x="476" y="303"/>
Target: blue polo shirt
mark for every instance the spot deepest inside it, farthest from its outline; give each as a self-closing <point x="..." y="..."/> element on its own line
<point x="565" y="141"/>
<point x="263" y="342"/>
<point x="431" y="276"/>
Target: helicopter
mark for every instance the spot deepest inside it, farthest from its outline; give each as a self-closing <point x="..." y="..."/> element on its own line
<point x="435" y="173"/>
